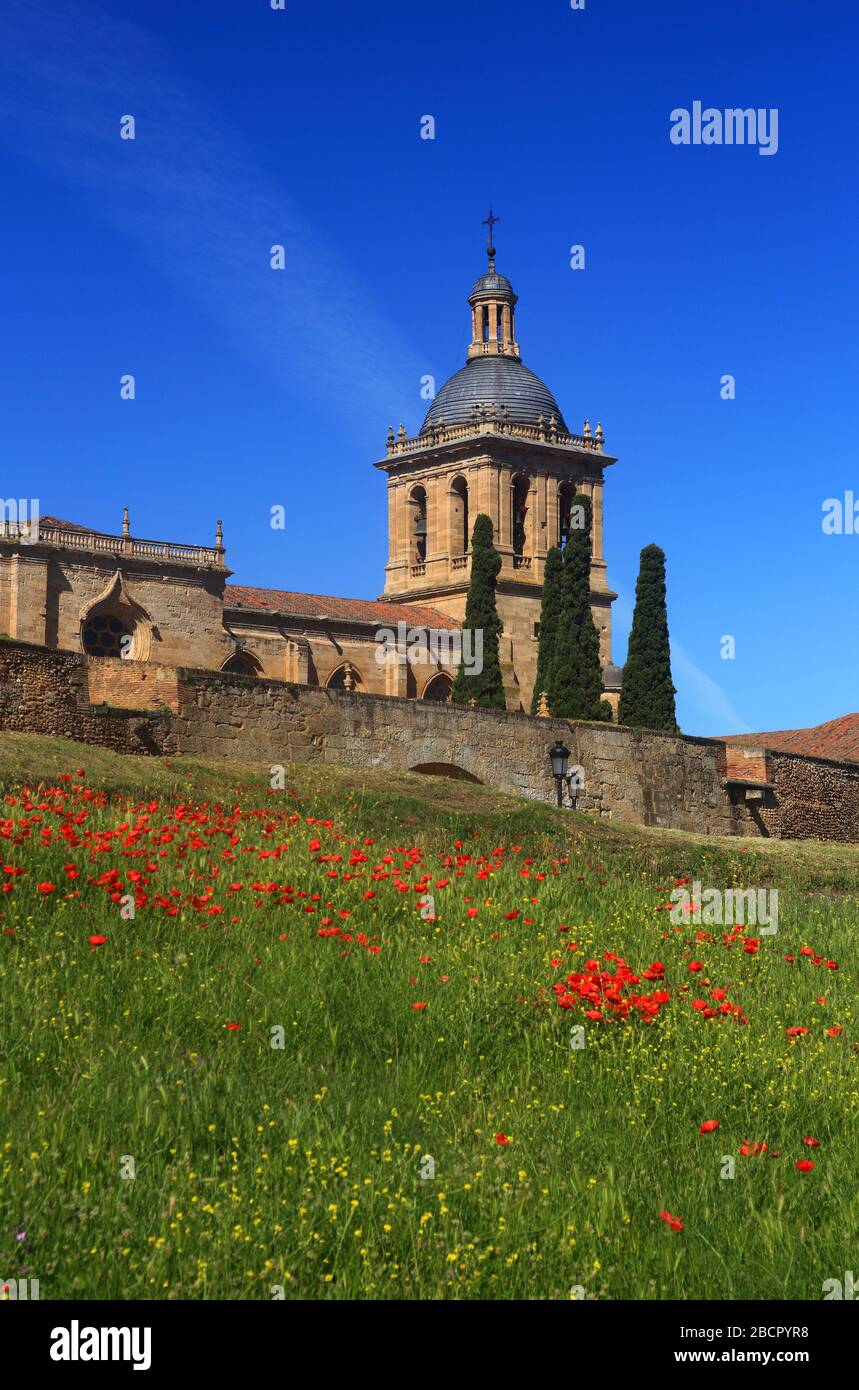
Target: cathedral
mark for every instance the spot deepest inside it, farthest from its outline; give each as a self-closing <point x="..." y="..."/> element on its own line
<point x="494" y="441"/>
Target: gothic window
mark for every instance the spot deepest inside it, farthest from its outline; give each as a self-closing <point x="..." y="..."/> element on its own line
<point x="438" y="688"/>
<point x="108" y="634"/>
<point x="459" y="536"/>
<point x="241" y="664"/>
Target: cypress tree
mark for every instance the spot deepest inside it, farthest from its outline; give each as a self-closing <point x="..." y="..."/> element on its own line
<point x="647" y="697"/>
<point x="550" y="612"/>
<point x="481" y="615"/>
<point x="575" y="686"/>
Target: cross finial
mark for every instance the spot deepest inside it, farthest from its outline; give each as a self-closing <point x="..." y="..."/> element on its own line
<point x="490" y="223"/>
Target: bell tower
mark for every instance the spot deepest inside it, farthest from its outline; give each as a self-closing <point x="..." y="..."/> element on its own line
<point x="493" y="441"/>
<point x="493" y="308"/>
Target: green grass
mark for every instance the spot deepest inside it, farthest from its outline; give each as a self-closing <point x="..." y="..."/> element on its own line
<point x="260" y="1166"/>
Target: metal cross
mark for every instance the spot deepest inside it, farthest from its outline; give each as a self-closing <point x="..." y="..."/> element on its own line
<point x="490" y="223"/>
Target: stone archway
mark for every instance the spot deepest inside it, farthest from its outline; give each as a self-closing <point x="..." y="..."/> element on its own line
<point x="459" y="774"/>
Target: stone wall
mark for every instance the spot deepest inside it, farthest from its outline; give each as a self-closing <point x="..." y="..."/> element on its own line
<point x="630" y="775"/>
<point x="814" y="798"/>
<point x="47" y="692"/>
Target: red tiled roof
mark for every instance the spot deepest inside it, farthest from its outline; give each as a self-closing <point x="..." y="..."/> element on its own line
<point x="324" y="606"/>
<point x="68" y="525"/>
<point x="837" y="739"/>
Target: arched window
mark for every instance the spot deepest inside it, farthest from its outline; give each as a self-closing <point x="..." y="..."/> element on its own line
<point x="438" y="688"/>
<point x="345" y="677"/>
<point x="109" y="634"/>
<point x="459" y="536"/>
<point x="519" y="497"/>
<point x="418" y="528"/>
<point x="242" y="664"/>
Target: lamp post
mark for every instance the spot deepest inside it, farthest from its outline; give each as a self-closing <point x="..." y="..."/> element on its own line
<point x="559" y="757"/>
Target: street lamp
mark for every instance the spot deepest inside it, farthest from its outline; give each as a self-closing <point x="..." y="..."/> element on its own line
<point x="559" y="757"/>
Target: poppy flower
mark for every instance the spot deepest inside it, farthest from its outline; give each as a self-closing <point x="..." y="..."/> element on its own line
<point x="233" y="1027"/>
<point x="420" y="1005"/>
<point x="673" y="1221"/>
<point x="805" y="1165"/>
<point x="812" y="1142"/>
<point x="834" y="1031"/>
<point x="45" y="888"/>
<point x="97" y="940"/>
<point x="502" y="1140"/>
<point x="708" y="1127"/>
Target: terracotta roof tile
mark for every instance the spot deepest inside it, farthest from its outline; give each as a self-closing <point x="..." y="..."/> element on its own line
<point x="342" y="609"/>
<point x="837" y="739"/>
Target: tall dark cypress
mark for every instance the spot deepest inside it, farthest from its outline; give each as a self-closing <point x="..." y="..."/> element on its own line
<point x="481" y="615"/>
<point x="647" y="697"/>
<point x="550" y="613"/>
<point x="575" y="687"/>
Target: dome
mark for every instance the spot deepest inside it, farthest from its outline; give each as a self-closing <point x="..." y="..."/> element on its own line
<point x="492" y="283"/>
<point x="499" y="381"/>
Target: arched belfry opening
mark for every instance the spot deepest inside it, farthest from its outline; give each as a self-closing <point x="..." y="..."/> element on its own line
<point x="459" y="532"/>
<point x="418" y="534"/>
<point x="520" y="513"/>
<point x="566" y="493"/>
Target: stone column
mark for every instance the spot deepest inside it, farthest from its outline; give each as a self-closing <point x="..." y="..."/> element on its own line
<point x="597" y="506"/>
<point x="28" y="598"/>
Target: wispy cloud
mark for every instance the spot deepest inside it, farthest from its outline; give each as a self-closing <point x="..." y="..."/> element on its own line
<point x="201" y="204"/>
<point x="705" y="708"/>
<point x="713" y="711"/>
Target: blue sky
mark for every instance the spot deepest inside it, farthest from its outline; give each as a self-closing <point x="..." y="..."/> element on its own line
<point x="257" y="388"/>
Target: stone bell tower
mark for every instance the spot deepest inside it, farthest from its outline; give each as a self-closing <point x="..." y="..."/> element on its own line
<point x="494" y="441"/>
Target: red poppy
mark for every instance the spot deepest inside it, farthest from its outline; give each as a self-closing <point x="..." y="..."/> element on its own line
<point x="97" y="940"/>
<point x="46" y="888"/>
<point x="805" y="1165"/>
<point x="233" y="1027"/>
<point x="420" y="1005"/>
<point x="708" y="1126"/>
<point x="812" y="1142"/>
<point x="502" y="1140"/>
<point x="673" y="1221"/>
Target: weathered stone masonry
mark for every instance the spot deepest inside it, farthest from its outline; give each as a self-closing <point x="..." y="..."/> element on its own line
<point x="631" y="775"/>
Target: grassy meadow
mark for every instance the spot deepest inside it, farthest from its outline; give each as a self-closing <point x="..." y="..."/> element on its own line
<point x="372" y="1036"/>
